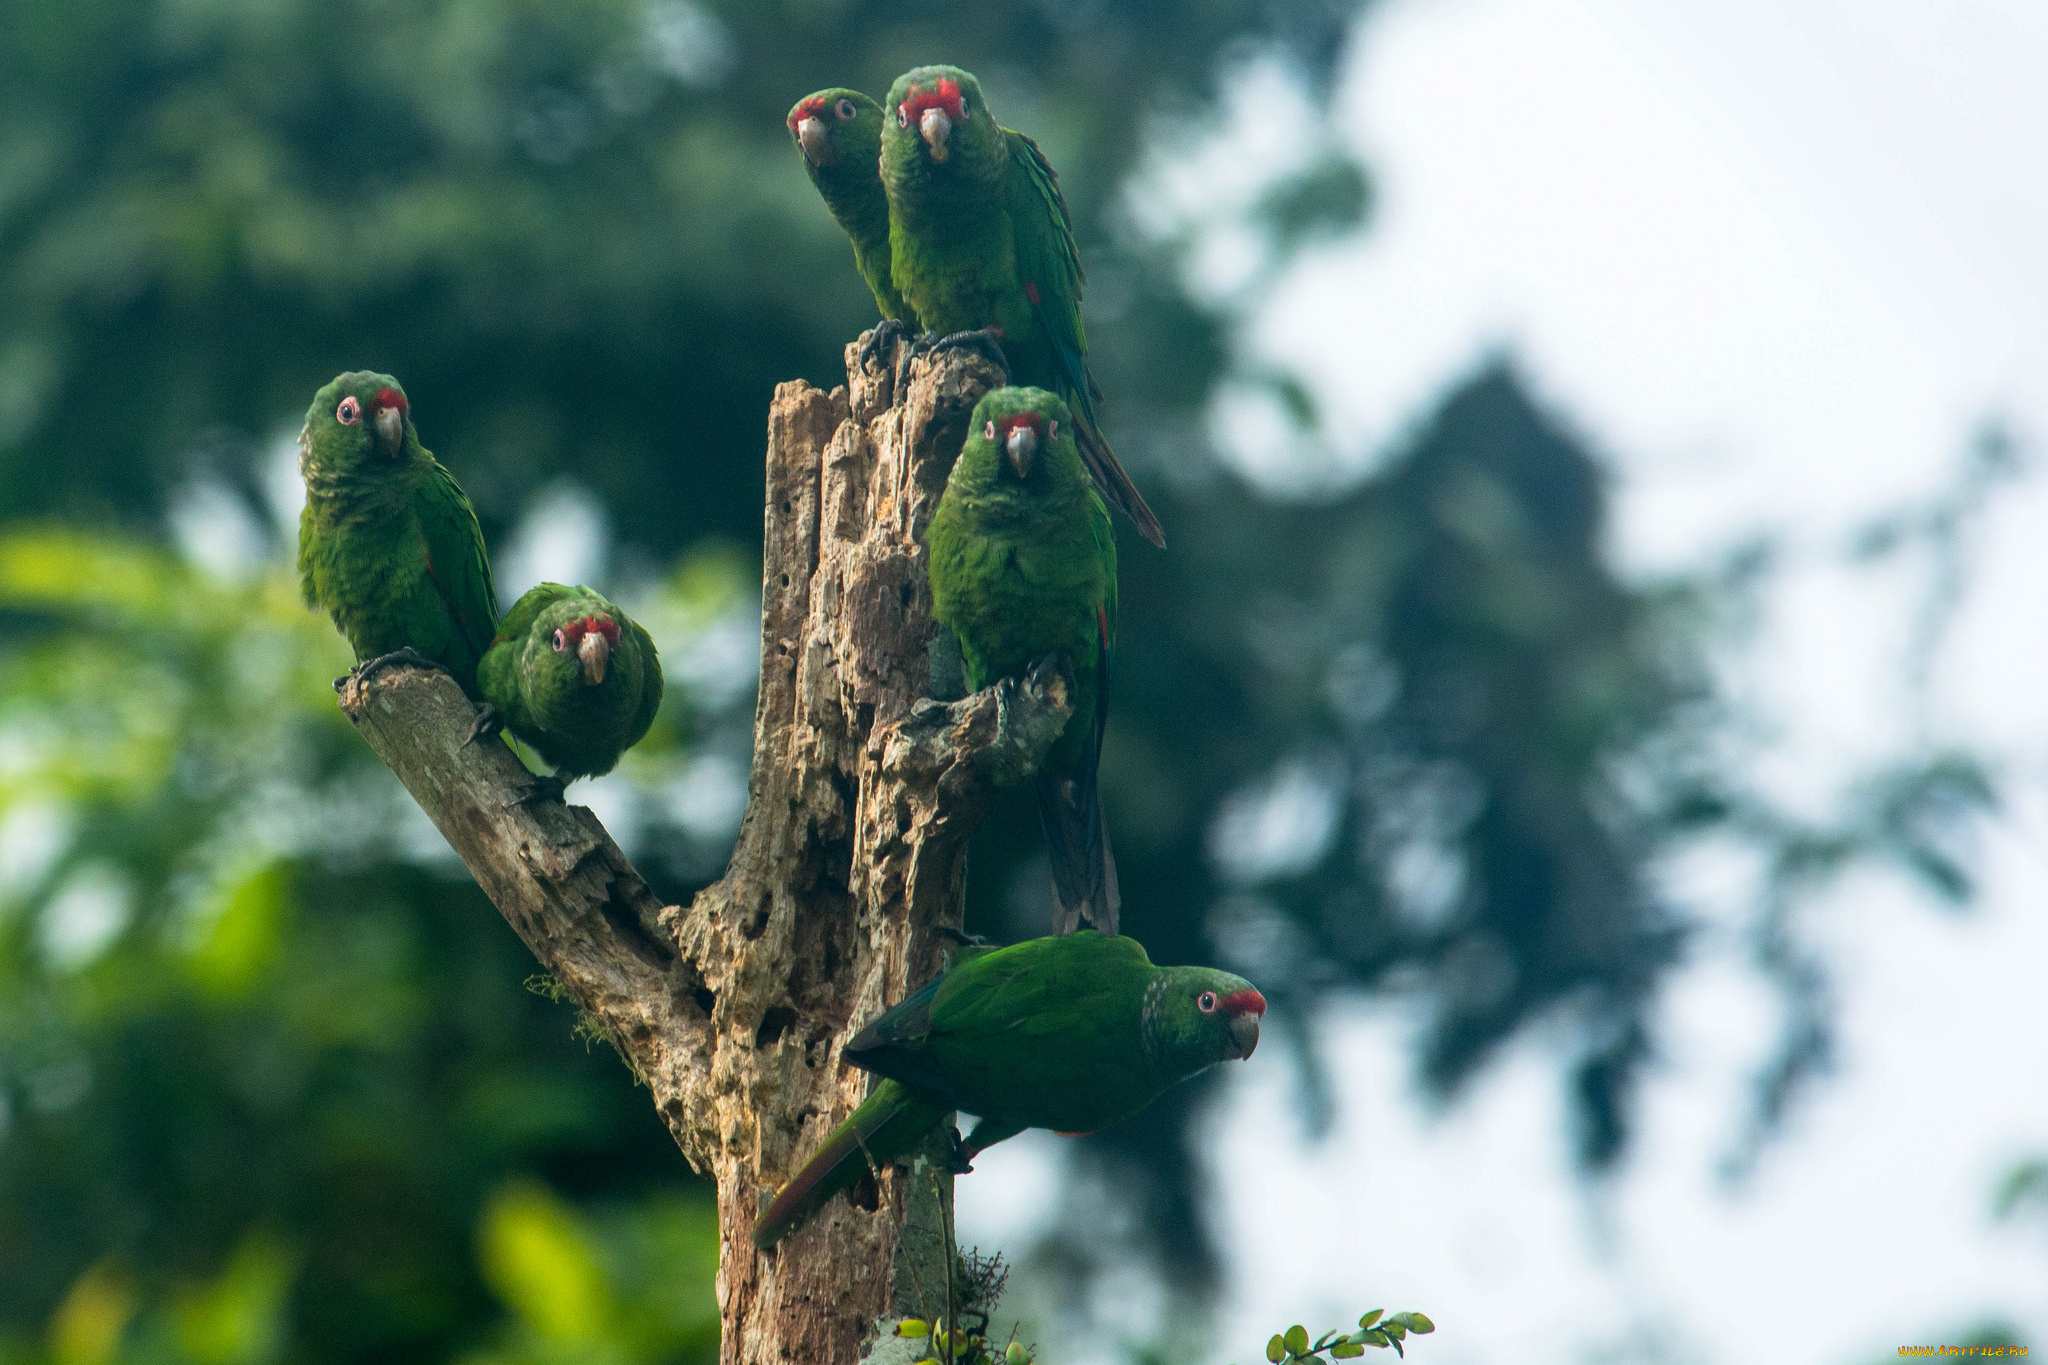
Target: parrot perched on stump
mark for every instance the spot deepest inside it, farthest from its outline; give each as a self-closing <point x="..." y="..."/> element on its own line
<point x="573" y="676"/>
<point x="839" y="132"/>
<point x="388" y="543"/>
<point x="981" y="245"/>
<point x="1022" y="565"/>
<point x="1072" y="1034"/>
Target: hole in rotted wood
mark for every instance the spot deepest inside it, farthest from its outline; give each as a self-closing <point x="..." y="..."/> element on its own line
<point x="774" y="1024"/>
<point x="757" y="924"/>
<point x="785" y="580"/>
<point x="864" y="1193"/>
<point x="704" y="998"/>
<point x="904" y="594"/>
<point x="634" y="935"/>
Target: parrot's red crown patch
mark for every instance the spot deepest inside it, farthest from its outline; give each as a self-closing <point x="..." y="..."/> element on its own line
<point x="1246" y="1001"/>
<point x="388" y="397"/>
<point x="812" y="106"/>
<point x="946" y="96"/>
<point x="1006" y="425"/>
<point x="603" y="625"/>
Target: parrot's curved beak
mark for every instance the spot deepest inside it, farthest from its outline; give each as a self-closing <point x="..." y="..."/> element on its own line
<point x="935" y="128"/>
<point x="594" y="652"/>
<point x="811" y="136"/>
<point x="390" y="423"/>
<point x="1022" y="448"/>
<point x="1244" y="1034"/>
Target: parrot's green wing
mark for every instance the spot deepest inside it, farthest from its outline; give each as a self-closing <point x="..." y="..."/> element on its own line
<point x="650" y="685"/>
<point x="1049" y="263"/>
<point x="456" y="560"/>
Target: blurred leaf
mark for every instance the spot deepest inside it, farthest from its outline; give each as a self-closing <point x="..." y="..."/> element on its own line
<point x="238" y="1318"/>
<point x="1328" y="199"/>
<point x="86" y="1328"/>
<point x="538" y="1259"/>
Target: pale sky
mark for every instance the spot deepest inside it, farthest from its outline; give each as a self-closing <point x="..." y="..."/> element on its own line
<point x="1775" y="260"/>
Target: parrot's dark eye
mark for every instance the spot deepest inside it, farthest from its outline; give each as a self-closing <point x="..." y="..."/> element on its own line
<point x="1206" y="1002"/>
<point x="561" y="643"/>
<point x="988" y="431"/>
<point x="350" y="412"/>
<point x="844" y="109"/>
<point x="902" y="116"/>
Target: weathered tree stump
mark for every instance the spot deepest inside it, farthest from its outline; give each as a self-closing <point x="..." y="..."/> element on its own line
<point x="850" y="861"/>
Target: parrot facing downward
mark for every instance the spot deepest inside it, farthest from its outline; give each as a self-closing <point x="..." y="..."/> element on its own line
<point x="388" y="543"/>
<point x="573" y="676"/>
<point x="839" y="132"/>
<point x="1023" y="564"/>
<point x="1072" y="1034"/>
<point x="980" y="243"/>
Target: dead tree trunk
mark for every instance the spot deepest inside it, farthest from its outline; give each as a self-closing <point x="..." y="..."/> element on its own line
<point x="851" y="858"/>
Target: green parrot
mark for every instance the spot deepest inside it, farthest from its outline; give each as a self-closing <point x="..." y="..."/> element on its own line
<point x="573" y="676"/>
<point x="388" y="543"/>
<point x="1023" y="565"/>
<point x="839" y="132"/>
<point x="1072" y="1034"/>
<point x="981" y="246"/>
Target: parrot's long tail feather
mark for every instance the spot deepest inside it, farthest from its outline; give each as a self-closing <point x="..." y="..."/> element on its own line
<point x="889" y="1123"/>
<point x="1116" y="485"/>
<point x="1083" y="870"/>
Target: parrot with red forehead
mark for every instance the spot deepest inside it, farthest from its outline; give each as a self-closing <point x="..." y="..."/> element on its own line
<point x="573" y="676"/>
<point x="1072" y="1034"/>
<point x="839" y="132"/>
<point x="981" y="245"/>
<point x="1023" y="565"/>
<point x="388" y="543"/>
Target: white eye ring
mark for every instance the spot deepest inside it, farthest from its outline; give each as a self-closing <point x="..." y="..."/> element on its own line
<point x="902" y="116"/>
<point x="350" y="412"/>
<point x="1052" y="431"/>
<point x="561" y="643"/>
<point x="1206" y="1002"/>
<point x="988" y="431"/>
<point x="844" y="108"/>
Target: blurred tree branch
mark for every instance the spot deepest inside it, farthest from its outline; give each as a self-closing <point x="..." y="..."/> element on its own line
<point x="850" y="860"/>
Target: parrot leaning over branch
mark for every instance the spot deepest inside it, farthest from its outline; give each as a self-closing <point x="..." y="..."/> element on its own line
<point x="388" y="543"/>
<point x="573" y="676"/>
<point x="1023" y="564"/>
<point x="981" y="245"/>
<point x="1072" y="1034"/>
<point x="839" y="132"/>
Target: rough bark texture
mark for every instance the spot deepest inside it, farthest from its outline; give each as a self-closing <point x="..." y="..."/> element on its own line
<point x="850" y="859"/>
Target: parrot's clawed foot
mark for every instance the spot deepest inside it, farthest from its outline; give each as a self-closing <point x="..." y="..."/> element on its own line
<point x="1051" y="675"/>
<point x="881" y="339"/>
<point x="963" y="938"/>
<point x="488" y="723"/>
<point x="368" y="668"/>
<point x="549" y="788"/>
<point x="987" y="340"/>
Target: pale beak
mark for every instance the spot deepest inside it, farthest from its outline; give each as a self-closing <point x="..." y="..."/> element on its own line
<point x="594" y="652"/>
<point x="1022" y="448"/>
<point x="390" y="429"/>
<point x="936" y="128"/>
<point x="1244" y="1033"/>
<point x="811" y="136"/>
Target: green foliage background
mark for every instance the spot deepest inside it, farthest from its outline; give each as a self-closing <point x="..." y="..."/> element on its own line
<point x="270" y="1086"/>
